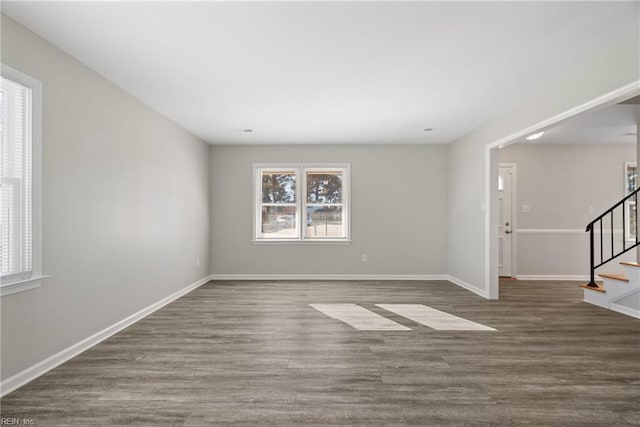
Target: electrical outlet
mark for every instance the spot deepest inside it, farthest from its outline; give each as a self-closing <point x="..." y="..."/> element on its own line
<point x="525" y="208"/>
<point x="365" y="258"/>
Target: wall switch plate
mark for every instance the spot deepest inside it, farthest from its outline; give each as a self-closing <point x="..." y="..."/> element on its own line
<point x="590" y="209"/>
<point x="365" y="258"/>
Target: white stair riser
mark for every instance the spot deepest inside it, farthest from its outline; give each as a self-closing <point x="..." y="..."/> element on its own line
<point x="596" y="298"/>
<point x="616" y="288"/>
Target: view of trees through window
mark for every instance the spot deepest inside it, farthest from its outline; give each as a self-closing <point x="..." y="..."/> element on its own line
<point x="324" y="204"/>
<point x="279" y="187"/>
<point x="279" y="203"/>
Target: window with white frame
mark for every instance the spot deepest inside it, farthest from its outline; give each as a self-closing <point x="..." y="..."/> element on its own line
<point x="630" y="185"/>
<point x="20" y="97"/>
<point x="301" y="202"/>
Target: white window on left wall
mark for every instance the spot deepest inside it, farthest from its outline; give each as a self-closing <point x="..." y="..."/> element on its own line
<point x="20" y="186"/>
<point x="301" y="203"/>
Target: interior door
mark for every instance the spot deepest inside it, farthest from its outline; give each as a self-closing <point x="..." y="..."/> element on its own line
<point x="505" y="223"/>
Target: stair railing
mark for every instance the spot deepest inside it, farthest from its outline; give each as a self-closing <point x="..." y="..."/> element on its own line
<point x="629" y="233"/>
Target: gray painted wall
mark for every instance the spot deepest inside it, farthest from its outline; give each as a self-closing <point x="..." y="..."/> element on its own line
<point x="612" y="69"/>
<point x="126" y="206"/>
<point x="559" y="182"/>
<point x="398" y="219"/>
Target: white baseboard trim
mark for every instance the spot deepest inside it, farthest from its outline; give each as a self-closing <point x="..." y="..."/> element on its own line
<point x="21" y="378"/>
<point x="568" y="277"/>
<point x="625" y="310"/>
<point x="425" y="277"/>
<point x="354" y="277"/>
<point x="468" y="286"/>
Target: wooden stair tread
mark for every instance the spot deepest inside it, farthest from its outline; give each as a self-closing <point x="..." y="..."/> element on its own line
<point x="614" y="277"/>
<point x="600" y="288"/>
<point x="629" y="263"/>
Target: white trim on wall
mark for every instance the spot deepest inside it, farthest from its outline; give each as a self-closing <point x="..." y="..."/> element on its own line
<point x="21" y="285"/>
<point x="561" y="231"/>
<point x="608" y="99"/>
<point x="354" y="277"/>
<point x="568" y="277"/>
<point x="347" y="277"/>
<point x="491" y="216"/>
<point x="27" y="375"/>
<point x="565" y="231"/>
<point x="624" y="310"/>
<point x="468" y="286"/>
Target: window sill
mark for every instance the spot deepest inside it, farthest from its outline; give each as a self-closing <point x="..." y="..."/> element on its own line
<point x="21" y="285"/>
<point x="302" y="242"/>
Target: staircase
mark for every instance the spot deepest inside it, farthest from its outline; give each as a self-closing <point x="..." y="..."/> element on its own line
<point x="614" y="292"/>
<point x="617" y="293"/>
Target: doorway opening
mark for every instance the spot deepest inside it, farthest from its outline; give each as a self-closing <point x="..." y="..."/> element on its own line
<point x="492" y="173"/>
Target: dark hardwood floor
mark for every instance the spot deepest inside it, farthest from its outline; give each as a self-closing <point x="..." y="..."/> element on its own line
<point x="257" y="353"/>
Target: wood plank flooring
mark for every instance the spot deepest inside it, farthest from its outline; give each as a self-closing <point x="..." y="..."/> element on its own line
<point x="256" y="353"/>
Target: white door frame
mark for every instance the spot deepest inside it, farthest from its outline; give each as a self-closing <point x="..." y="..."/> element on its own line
<point x="491" y="173"/>
<point x="514" y="215"/>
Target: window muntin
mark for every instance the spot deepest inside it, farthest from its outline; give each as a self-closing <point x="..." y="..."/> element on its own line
<point x="301" y="203"/>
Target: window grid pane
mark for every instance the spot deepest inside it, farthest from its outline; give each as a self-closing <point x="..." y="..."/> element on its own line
<point x="325" y="221"/>
<point x="324" y="187"/>
<point x="278" y="204"/>
<point x="324" y="207"/>
<point x="278" y="187"/>
<point x="279" y="221"/>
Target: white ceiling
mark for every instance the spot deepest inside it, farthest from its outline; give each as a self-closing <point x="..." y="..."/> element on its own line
<point x="330" y="72"/>
<point x="613" y="125"/>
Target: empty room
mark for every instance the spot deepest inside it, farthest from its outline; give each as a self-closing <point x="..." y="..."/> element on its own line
<point x="319" y="213"/>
